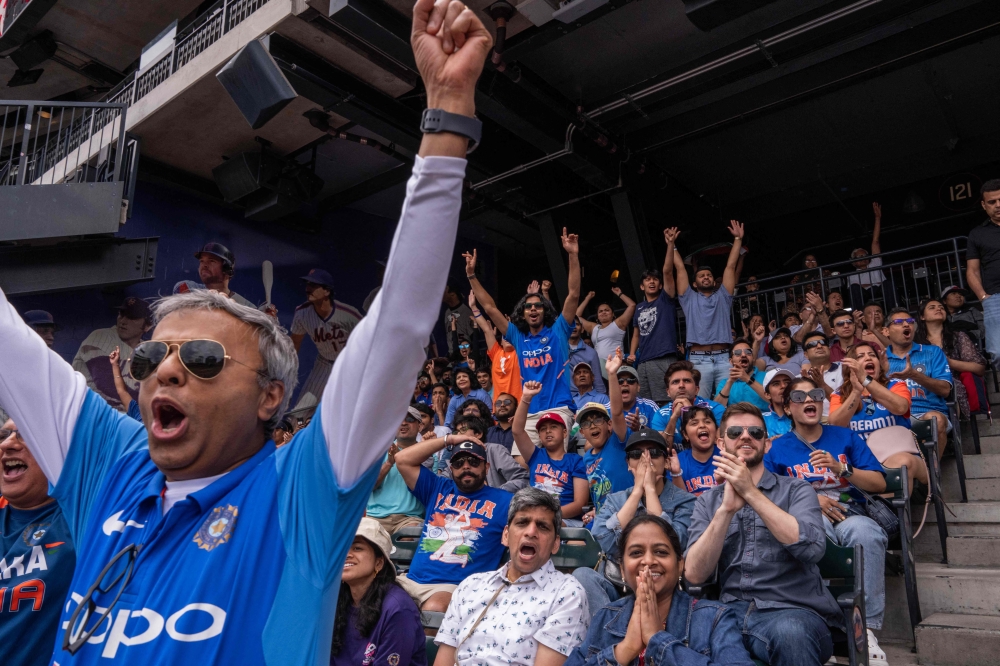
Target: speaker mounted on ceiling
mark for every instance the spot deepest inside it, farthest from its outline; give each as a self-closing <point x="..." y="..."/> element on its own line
<point x="256" y="84"/>
<point x="710" y="14"/>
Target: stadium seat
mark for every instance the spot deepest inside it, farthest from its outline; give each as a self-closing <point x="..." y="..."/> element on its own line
<point x="897" y="483"/>
<point x="843" y="569"/>
<point x="405" y="542"/>
<point x="431" y="620"/>
<point x="956" y="440"/>
<point x="984" y="408"/>
<point x="575" y="555"/>
<point x="926" y="432"/>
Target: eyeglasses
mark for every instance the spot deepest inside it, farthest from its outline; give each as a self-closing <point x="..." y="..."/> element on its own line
<point x="742" y="352"/>
<point x="900" y="322"/>
<point x="409" y="419"/>
<point x="471" y="461"/>
<point x="816" y="395"/>
<point x="76" y="633"/>
<point x="464" y="345"/>
<point x="592" y="421"/>
<point x="755" y="432"/>
<point x="635" y="454"/>
<point x="503" y="403"/>
<point x="5" y="434"/>
<point x="818" y="342"/>
<point x="204" y="359"/>
<point x="627" y="380"/>
<point x="534" y="306"/>
<point x="844" y="322"/>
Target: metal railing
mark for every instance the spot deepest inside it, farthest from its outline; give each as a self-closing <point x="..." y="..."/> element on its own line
<point x="59" y="142"/>
<point x="905" y="278"/>
<point x="189" y="43"/>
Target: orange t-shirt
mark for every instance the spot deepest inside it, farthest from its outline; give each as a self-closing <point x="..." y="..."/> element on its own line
<point x="899" y="388"/>
<point x="506" y="372"/>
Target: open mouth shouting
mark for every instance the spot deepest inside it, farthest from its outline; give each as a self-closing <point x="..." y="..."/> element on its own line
<point x="13" y="469"/>
<point x="526" y="552"/>
<point x="869" y="368"/>
<point x="702" y="436"/>
<point x="810" y="410"/>
<point x="169" y="420"/>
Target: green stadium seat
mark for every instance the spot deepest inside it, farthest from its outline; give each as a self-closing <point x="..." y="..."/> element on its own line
<point x="405" y="542"/>
<point x="586" y="553"/>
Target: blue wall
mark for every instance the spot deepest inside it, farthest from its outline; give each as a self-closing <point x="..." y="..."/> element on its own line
<point x="349" y="246"/>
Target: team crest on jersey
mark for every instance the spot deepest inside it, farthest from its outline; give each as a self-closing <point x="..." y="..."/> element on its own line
<point x="217" y="528"/>
<point x="544" y="340"/>
<point x="393" y="659"/>
<point x="33" y="534"/>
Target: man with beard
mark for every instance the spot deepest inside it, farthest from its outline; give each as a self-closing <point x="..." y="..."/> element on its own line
<point x="540" y="614"/>
<point x="216" y="265"/>
<point x="827" y="374"/>
<point x="654" y="339"/>
<point x="769" y="575"/>
<point x="707" y="313"/>
<point x="504" y="472"/>
<point x="392" y="504"/>
<point x="924" y="368"/>
<point x="36" y="555"/>
<point x="745" y="382"/>
<point x="464" y="522"/>
<point x="503" y="411"/>
<point x="683" y="380"/>
<point x="91" y="360"/>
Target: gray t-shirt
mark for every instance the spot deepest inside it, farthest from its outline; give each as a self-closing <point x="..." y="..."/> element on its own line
<point x="708" y="318"/>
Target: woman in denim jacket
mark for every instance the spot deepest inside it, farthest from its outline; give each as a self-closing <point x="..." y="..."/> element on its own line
<point x="660" y="624"/>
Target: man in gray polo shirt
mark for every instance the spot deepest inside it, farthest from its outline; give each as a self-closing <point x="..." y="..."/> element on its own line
<point x="707" y="313"/>
<point x="764" y="536"/>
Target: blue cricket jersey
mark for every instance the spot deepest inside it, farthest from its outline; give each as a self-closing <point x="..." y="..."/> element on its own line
<point x="278" y="519"/>
<point x="545" y="358"/>
<point x="931" y="361"/>
<point x="607" y="470"/>
<point x="556" y="476"/>
<point x="777" y="425"/>
<point x="646" y="410"/>
<point x="663" y="416"/>
<point x="698" y="476"/>
<point x="789" y="456"/>
<point x="36" y="565"/>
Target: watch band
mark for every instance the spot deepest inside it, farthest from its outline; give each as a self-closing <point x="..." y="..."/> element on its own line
<point x="434" y="121"/>
<point x="868" y="380"/>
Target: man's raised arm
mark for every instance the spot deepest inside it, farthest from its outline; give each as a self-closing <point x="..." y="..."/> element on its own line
<point x="41" y="392"/>
<point x="372" y="381"/>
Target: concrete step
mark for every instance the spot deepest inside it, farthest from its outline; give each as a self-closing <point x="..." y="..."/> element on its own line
<point x="987" y="429"/>
<point x="982" y="478"/>
<point x="945" y="639"/>
<point x="987" y="444"/>
<point x="960" y="590"/>
<point x="927" y="545"/>
<point x="976" y="512"/>
<point x="978" y="551"/>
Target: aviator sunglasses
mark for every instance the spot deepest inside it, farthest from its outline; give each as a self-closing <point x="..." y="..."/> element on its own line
<point x="204" y="359"/>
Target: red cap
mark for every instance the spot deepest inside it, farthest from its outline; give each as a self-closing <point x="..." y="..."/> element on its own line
<point x="551" y="416"/>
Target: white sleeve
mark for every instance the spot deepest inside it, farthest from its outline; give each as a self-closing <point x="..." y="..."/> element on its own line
<point x="371" y="383"/>
<point x="40" y="391"/>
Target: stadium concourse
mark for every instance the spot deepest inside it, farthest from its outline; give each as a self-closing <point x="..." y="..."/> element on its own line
<point x="549" y="333"/>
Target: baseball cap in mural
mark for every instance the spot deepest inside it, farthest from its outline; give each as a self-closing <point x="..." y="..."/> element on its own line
<point x="319" y="276"/>
<point x="38" y="318"/>
<point x="134" y="308"/>
<point x="218" y="250"/>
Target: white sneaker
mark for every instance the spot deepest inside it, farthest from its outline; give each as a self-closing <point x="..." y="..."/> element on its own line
<point x="876" y="655"/>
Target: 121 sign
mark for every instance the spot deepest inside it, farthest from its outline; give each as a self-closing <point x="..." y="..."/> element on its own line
<point x="960" y="192"/>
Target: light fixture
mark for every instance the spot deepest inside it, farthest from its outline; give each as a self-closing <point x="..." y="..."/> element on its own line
<point x="913" y="203"/>
<point x="44" y="114"/>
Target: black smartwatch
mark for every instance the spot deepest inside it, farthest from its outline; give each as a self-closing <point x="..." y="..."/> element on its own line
<point x="434" y="121"/>
<point x="847" y="471"/>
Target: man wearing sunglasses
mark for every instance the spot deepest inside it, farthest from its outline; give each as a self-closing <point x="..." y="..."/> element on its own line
<point x="845" y="335"/>
<point x="391" y="503"/>
<point x="464" y="521"/>
<point x="36" y="555"/>
<point x="682" y="379"/>
<point x="745" y="381"/>
<point x="767" y="566"/>
<point x="639" y="412"/>
<point x="924" y="368"/>
<point x="502" y="471"/>
<point x="195" y="536"/>
<point x="328" y="323"/>
<point x="827" y="374"/>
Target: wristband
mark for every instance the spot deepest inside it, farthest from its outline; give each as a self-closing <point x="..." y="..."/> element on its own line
<point x="434" y="121"/>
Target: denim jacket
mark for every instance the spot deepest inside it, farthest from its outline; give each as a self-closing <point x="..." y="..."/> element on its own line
<point x="700" y="635"/>
<point x="677" y="505"/>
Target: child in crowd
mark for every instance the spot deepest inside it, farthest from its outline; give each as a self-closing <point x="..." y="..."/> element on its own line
<point x="550" y="467"/>
<point x="692" y="469"/>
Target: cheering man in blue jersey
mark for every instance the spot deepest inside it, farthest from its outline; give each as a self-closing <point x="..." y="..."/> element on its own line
<point x="197" y="540"/>
<point x="540" y="336"/>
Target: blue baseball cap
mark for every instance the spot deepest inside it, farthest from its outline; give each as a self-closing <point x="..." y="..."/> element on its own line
<point x="320" y="277"/>
<point x="38" y="318"/>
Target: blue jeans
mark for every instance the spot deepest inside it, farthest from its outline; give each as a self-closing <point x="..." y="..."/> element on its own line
<point x="713" y="366"/>
<point x="991" y="322"/>
<point x="864" y="530"/>
<point x="784" y="636"/>
<point x="599" y="591"/>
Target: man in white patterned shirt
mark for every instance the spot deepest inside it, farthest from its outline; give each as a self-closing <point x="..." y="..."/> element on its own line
<point x="524" y="613"/>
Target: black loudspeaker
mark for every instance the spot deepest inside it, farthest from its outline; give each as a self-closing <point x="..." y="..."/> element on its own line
<point x="256" y="84"/>
<point x="244" y="174"/>
<point x="35" y="51"/>
<point x="709" y="14"/>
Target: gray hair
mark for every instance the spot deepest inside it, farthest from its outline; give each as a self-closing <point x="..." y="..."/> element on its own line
<point x="281" y="363"/>
<point x="529" y="498"/>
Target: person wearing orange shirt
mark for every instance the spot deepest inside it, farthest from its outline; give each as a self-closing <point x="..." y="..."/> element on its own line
<point x="503" y="356"/>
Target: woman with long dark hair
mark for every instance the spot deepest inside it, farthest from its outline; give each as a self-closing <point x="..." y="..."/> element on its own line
<point x="659" y="618"/>
<point x="783" y="352"/>
<point x="964" y="359"/>
<point x="466" y="388"/>
<point x="376" y="620"/>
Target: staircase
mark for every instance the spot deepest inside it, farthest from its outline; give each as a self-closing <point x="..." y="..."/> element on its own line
<point x="959" y="601"/>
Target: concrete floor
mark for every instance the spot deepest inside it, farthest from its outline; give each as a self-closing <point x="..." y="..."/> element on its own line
<point x="896" y="654"/>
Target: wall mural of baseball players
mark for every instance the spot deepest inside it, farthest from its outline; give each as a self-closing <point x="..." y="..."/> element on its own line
<point x="91" y="360"/>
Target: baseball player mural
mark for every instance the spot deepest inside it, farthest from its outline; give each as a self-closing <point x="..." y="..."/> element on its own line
<point x="91" y="360"/>
<point x="328" y="323"/>
<point x="216" y="265"/>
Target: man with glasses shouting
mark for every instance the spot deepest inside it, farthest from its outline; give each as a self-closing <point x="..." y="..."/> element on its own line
<point x="36" y="555"/>
<point x="761" y="536"/>
<point x="197" y="540"/>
